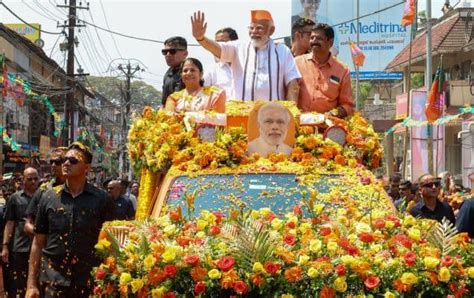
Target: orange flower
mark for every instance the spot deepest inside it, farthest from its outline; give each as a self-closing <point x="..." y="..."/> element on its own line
<point x="400" y="286"/>
<point x="307" y="156"/>
<point x="306" y="130"/>
<point x="257" y="279"/>
<point x="297" y="154"/>
<point x="198" y="274"/>
<point x="310" y="142"/>
<point x="327" y="292"/>
<point x="228" y="279"/>
<point x="147" y="112"/>
<point x="293" y="274"/>
<point x="340" y="160"/>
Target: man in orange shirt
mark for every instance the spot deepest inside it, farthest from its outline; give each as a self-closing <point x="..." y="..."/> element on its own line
<point x="325" y="85"/>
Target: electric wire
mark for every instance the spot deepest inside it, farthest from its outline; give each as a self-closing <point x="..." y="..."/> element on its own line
<point x="100" y="39"/>
<point x="38" y="12"/>
<point x="25" y="22"/>
<point x="48" y="12"/>
<point x="107" y="23"/>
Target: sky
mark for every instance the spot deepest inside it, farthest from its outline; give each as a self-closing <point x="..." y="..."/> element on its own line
<point x="100" y="52"/>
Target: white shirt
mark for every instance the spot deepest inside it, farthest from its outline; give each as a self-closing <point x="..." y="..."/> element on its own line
<point x="259" y="74"/>
<point x="263" y="149"/>
<point x="220" y="74"/>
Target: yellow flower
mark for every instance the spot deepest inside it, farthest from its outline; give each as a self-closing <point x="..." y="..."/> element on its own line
<point x="409" y="278"/>
<point x="340" y="284"/>
<point x="201" y="224"/>
<point x="214" y="274"/>
<point x="389" y="224"/>
<point x="347" y="260"/>
<point x="254" y="214"/>
<point x="343" y="220"/>
<point x="409" y="221"/>
<point x="444" y="275"/>
<point x="102" y="244"/>
<point x="136" y="284"/>
<point x="363" y="228"/>
<point x="389" y="294"/>
<point x="306" y="226"/>
<point x="315" y="245"/>
<point x="313" y="272"/>
<point x="169" y="230"/>
<point x="149" y="262"/>
<point x="376" y="247"/>
<point x="169" y="255"/>
<point x="341" y="212"/>
<point x="158" y="293"/>
<point x="430" y="262"/>
<point x="277" y="224"/>
<point x="287" y="296"/>
<point x="332" y="247"/>
<point x="265" y="211"/>
<point x="414" y="234"/>
<point x="318" y="208"/>
<point x="470" y="272"/>
<point x="303" y="260"/>
<point x="222" y="246"/>
<point x="200" y="235"/>
<point x="257" y="267"/>
<point x="125" y="278"/>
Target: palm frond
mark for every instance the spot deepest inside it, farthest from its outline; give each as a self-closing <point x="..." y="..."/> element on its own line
<point x="252" y="242"/>
<point x="442" y="235"/>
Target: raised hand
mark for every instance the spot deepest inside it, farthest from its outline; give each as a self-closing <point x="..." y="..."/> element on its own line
<point x="199" y="25"/>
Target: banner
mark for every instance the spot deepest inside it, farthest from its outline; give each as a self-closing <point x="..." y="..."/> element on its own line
<point x="381" y="34"/>
<point x="419" y="139"/>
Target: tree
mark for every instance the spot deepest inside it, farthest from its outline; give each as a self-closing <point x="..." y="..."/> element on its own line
<point x="422" y="18"/>
<point x="365" y="88"/>
<point x="417" y="80"/>
<point x="113" y="89"/>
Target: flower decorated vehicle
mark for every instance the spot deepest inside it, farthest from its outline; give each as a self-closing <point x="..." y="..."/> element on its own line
<point x="213" y="221"/>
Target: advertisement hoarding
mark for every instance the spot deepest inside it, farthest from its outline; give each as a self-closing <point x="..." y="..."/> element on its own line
<point x="419" y="139"/>
<point x="380" y="34"/>
<point x="33" y="34"/>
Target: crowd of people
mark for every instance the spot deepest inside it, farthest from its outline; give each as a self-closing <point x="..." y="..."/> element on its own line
<point x="434" y="198"/>
<point x="259" y="69"/>
<point x="51" y="224"/>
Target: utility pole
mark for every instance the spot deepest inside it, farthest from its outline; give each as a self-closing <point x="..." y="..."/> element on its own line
<point x="71" y="82"/>
<point x="429" y="68"/>
<point x="129" y="71"/>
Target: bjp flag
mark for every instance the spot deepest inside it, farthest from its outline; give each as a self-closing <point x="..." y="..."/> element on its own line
<point x="434" y="109"/>
<point x="358" y="56"/>
<point x="409" y="12"/>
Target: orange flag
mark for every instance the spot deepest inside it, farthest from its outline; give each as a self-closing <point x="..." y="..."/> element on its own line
<point x="409" y="13"/>
<point x="434" y="109"/>
<point x="358" y="56"/>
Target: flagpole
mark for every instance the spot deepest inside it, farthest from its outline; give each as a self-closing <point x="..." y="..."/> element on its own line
<point x="357" y="67"/>
<point x="429" y="68"/>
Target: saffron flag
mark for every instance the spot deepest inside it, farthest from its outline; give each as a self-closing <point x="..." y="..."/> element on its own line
<point x="358" y="56"/>
<point x="409" y="12"/>
<point x="3" y="65"/>
<point x="434" y="109"/>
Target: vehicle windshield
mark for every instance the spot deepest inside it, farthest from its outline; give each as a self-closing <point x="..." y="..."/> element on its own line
<point x="277" y="191"/>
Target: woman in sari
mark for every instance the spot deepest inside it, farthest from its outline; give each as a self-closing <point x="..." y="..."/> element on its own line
<point x="195" y="97"/>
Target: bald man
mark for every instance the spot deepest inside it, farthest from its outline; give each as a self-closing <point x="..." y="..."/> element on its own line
<point x="16" y="243"/>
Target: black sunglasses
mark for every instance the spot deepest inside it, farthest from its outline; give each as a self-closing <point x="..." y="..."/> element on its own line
<point x="431" y="184"/>
<point x="57" y="162"/>
<point x="171" y="51"/>
<point x="72" y="160"/>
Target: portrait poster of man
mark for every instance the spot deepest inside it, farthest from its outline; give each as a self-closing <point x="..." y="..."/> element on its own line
<point x="271" y="129"/>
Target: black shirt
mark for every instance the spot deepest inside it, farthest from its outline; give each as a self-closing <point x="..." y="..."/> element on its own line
<point x="441" y="210"/>
<point x="465" y="220"/>
<point x="123" y="209"/>
<point x="15" y="211"/>
<point x="33" y="205"/>
<point x="72" y="226"/>
<point x="171" y="83"/>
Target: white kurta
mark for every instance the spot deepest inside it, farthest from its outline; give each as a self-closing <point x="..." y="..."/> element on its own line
<point x="259" y="74"/>
<point x="220" y="74"/>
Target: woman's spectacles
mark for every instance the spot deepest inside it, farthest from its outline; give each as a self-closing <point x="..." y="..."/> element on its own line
<point x="170" y="51"/>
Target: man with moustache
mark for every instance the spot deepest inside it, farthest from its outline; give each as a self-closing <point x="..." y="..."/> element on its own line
<point x="325" y="84"/>
<point x="16" y="243"/>
<point x="175" y="51"/>
<point x="261" y="69"/>
<point x="56" y="160"/>
<point x="220" y="73"/>
<point x="430" y="206"/>
<point x="273" y="120"/>
<point x="67" y="226"/>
